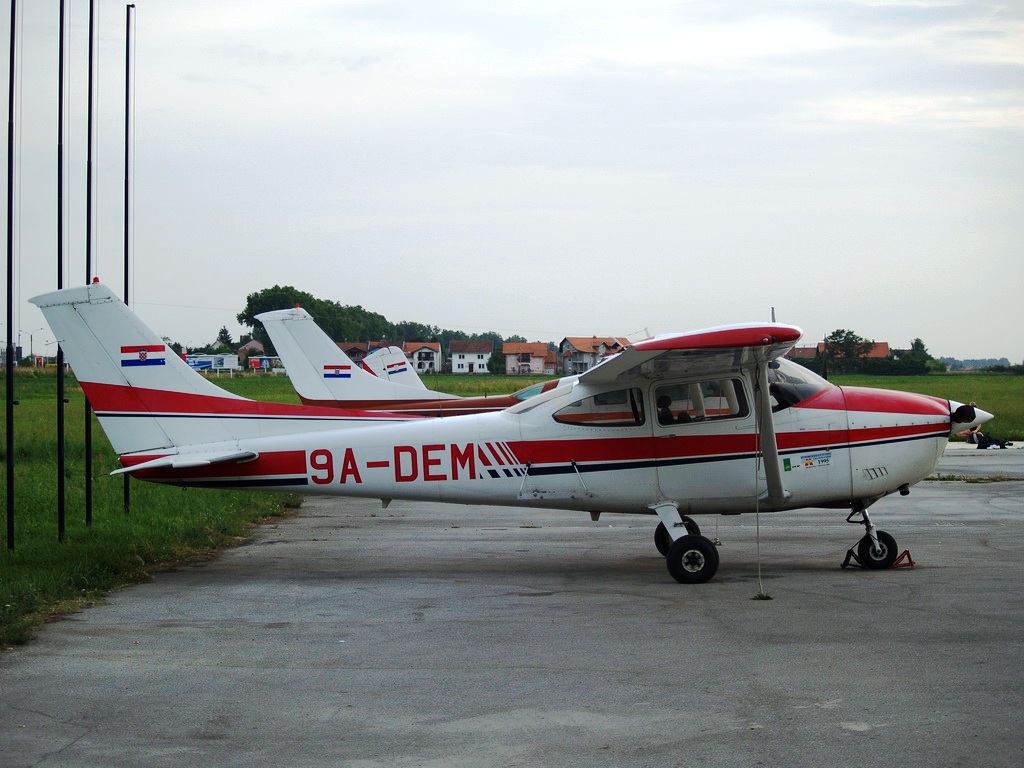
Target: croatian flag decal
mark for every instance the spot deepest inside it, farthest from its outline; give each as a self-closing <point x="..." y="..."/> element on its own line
<point x="148" y="354"/>
<point x="337" y="371"/>
<point x="395" y="368"/>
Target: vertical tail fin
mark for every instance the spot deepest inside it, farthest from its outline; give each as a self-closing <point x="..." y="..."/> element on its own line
<point x="391" y="364"/>
<point x="145" y="396"/>
<point x="324" y="375"/>
<point x="120" y="364"/>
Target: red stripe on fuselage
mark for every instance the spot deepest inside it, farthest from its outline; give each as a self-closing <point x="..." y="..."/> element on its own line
<point x="426" y="408"/>
<point x="694" y="446"/>
<point x="274" y="464"/>
<point x="630" y="448"/>
<point x="117" y="398"/>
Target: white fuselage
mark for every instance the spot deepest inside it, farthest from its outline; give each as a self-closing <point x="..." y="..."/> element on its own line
<point x="525" y="457"/>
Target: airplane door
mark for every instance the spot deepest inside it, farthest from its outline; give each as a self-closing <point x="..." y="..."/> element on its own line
<point x="604" y="455"/>
<point x="705" y="440"/>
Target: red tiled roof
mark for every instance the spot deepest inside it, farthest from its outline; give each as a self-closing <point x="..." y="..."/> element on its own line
<point x="592" y="343"/>
<point x="879" y="350"/>
<point x="534" y="348"/>
<point x="346" y="346"/>
<point x="477" y="347"/>
<point x="412" y="346"/>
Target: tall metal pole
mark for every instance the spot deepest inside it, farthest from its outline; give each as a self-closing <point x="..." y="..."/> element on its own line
<point x="88" y="249"/>
<point x="127" y="179"/>
<point x="61" y="495"/>
<point x="10" y="284"/>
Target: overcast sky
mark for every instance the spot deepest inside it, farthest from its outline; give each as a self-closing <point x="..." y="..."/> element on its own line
<point x="547" y="168"/>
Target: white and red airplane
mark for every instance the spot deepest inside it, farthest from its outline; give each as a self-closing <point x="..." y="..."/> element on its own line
<point x="708" y="422"/>
<point x="324" y="375"/>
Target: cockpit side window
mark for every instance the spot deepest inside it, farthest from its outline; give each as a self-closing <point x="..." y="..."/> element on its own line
<point x="700" y="401"/>
<point x="619" y="408"/>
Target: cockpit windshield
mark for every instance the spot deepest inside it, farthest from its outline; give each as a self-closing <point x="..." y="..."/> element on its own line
<point x="527" y="392"/>
<point x="790" y="383"/>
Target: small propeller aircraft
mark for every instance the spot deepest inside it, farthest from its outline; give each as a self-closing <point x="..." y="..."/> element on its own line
<point x="708" y="422"/>
<point x="324" y="375"/>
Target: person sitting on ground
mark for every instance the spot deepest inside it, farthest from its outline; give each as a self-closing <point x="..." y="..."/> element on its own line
<point x="976" y="437"/>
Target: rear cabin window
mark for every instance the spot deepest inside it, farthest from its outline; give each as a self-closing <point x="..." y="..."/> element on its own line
<point x="700" y="401"/>
<point x="620" y="408"/>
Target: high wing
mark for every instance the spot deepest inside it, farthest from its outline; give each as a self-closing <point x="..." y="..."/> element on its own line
<point x="324" y="375"/>
<point x="707" y="352"/>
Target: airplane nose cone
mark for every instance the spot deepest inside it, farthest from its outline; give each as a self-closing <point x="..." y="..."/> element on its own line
<point x="966" y="416"/>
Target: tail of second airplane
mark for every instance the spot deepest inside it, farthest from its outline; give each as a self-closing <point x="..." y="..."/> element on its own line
<point x="391" y="364"/>
<point x="323" y="375"/>
<point x="145" y="396"/>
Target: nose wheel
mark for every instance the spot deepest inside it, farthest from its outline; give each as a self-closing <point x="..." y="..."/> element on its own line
<point x="882" y="555"/>
<point x="877" y="549"/>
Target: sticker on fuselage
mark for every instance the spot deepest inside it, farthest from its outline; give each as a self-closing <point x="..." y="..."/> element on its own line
<point x="808" y="461"/>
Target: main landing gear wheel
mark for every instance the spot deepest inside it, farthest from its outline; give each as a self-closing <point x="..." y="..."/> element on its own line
<point x="692" y="559"/>
<point x="663" y="541"/>
<point x="883" y="557"/>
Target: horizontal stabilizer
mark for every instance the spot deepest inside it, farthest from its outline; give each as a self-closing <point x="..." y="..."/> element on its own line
<point x="186" y="460"/>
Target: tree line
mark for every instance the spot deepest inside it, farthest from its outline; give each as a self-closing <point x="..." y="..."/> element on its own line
<point x="347" y="323"/>
<point x="844" y="351"/>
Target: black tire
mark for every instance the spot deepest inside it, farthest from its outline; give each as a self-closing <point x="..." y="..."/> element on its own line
<point x="692" y="560"/>
<point x="664" y="542"/>
<point x="883" y="559"/>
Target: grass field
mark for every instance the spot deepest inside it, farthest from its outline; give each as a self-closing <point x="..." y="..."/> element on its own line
<point x="42" y="576"/>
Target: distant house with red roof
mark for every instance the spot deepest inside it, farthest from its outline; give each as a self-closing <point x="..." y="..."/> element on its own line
<point x="581" y="353"/>
<point x="251" y="347"/>
<point x="423" y="356"/>
<point x="355" y="350"/>
<point x="528" y="357"/>
<point x="470" y="356"/>
<point x="880" y="350"/>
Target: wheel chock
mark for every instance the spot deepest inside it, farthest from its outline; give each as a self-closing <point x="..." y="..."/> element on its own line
<point x="851" y="555"/>
<point x="904" y="560"/>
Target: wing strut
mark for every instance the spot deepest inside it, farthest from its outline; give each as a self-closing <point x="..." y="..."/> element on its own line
<point x="777" y="495"/>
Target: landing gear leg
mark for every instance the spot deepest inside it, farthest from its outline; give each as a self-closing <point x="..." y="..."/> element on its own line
<point x="877" y="549"/>
<point x="663" y="539"/>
